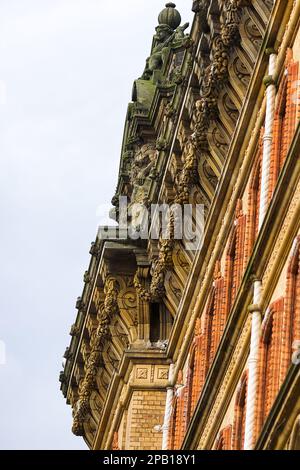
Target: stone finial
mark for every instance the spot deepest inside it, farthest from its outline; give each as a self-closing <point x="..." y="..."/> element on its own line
<point x="170" y="16"/>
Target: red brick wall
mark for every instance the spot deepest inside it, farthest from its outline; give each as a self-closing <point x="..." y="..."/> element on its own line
<point x="254" y="202"/>
<point x="223" y="442"/>
<point x="284" y="121"/>
<point x="235" y="258"/>
<point x="238" y="432"/>
<point x="270" y="346"/>
<point x="178" y="417"/>
<point x="291" y="319"/>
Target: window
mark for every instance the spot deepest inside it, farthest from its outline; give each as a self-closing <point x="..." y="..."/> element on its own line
<point x="284" y="121"/>
<point x="178" y="418"/>
<point x="254" y="202"/>
<point x="191" y="382"/>
<point x="235" y="257"/>
<point x="291" y="327"/>
<point x="238" y="437"/>
<point x="223" y="441"/>
<point x="270" y="358"/>
<point x="160" y="322"/>
<point x="154" y="322"/>
<point x="207" y="337"/>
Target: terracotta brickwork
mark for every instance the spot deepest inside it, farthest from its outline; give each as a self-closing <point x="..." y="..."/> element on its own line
<point x="281" y="325"/>
<point x="285" y="119"/>
<point x="205" y="343"/>
<point x="115" y="444"/>
<point x="178" y="416"/>
<point x="193" y="384"/>
<point x="270" y="359"/>
<point x="146" y="411"/>
<point x="291" y="321"/>
<point x="254" y="201"/>
<point x="223" y="441"/>
<point x="235" y="257"/>
<point x="238" y="432"/>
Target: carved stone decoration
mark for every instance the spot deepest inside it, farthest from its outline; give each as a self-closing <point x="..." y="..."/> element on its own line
<point x="218" y="140"/>
<point x="209" y="173"/>
<point x="174" y="288"/>
<point x="113" y="360"/>
<point x="162" y="373"/>
<point x="141" y="374"/>
<point x="142" y="164"/>
<point x="74" y="330"/>
<point x="94" y="250"/>
<point x="121" y="335"/>
<point x="97" y="403"/>
<point x="253" y="33"/>
<point x="241" y="71"/>
<point x="128" y="303"/>
<point x="180" y="260"/>
<point x="216" y="74"/>
<point x="201" y="8"/>
<point x="165" y="38"/>
<point x="86" y="277"/>
<point x="269" y="4"/>
<point x="230" y="109"/>
<point x="102" y="333"/>
<point x="186" y="178"/>
<point x="160" y="266"/>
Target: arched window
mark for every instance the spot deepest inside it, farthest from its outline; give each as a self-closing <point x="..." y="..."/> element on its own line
<point x="270" y="358"/>
<point x="191" y="381"/>
<point x="178" y="418"/>
<point x="223" y="441"/>
<point x="235" y="257"/>
<point x="238" y="435"/>
<point x="254" y="202"/>
<point x="216" y="316"/>
<point x="172" y="429"/>
<point x="291" y="327"/>
<point x="212" y="329"/>
<point x="284" y="120"/>
<point x="210" y="332"/>
<point x="194" y="373"/>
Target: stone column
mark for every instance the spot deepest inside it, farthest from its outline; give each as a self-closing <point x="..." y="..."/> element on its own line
<point x="268" y="136"/>
<point x="251" y="410"/>
<point x="168" y="409"/>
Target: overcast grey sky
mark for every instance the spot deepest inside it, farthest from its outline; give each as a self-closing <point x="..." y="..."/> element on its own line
<point x="66" y="73"/>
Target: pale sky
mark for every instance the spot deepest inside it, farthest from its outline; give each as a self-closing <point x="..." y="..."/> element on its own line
<point x="66" y="74"/>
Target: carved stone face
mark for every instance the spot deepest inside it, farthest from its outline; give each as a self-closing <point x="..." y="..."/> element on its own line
<point x="163" y="32"/>
<point x="146" y="153"/>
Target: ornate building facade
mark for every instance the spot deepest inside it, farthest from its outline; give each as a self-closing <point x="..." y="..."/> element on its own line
<point x="177" y="348"/>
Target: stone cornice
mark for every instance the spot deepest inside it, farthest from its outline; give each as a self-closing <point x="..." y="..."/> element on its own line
<point x="102" y="246"/>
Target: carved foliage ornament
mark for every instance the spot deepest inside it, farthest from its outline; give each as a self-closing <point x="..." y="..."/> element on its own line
<point x="82" y="407"/>
<point x="216" y="73"/>
<point x="142" y="164"/>
<point x="206" y="111"/>
<point x="186" y="178"/>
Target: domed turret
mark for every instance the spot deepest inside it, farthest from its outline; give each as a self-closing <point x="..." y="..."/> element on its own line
<point x="170" y="16"/>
